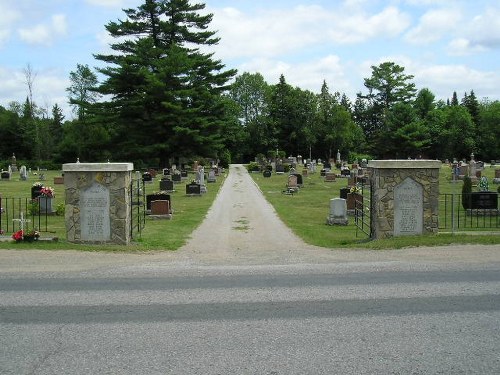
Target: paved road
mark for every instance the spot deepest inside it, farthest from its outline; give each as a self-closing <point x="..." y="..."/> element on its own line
<point x="299" y="319"/>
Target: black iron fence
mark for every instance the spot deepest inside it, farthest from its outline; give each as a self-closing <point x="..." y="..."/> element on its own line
<point x="138" y="208"/>
<point x="476" y="211"/>
<point x="29" y="214"/>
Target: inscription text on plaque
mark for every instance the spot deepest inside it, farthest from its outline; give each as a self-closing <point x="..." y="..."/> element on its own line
<point x="408" y="208"/>
<point x="94" y="214"/>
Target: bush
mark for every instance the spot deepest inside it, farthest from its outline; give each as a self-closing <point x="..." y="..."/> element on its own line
<point x="253" y="166"/>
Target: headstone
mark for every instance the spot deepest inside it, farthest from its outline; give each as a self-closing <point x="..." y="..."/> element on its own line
<point x="23" y="173"/>
<point x="211" y="176"/>
<point x="267" y="173"/>
<point x="496" y="180"/>
<point x="408" y="208"/>
<point x="58" y="180"/>
<point x="472" y="168"/>
<point x="300" y="181"/>
<point x="161" y="208"/>
<point x="176" y="177"/>
<point x="292" y="183"/>
<point x="147" y="178"/>
<point x="329" y="177"/>
<point x="184" y="174"/>
<point x="280" y="169"/>
<point x="156" y="197"/>
<point x="5" y="175"/>
<point x="166" y="185"/>
<point x="338" y="212"/>
<point x="193" y="189"/>
<point x="166" y="171"/>
<point x="13" y="163"/>
<point x="344" y="191"/>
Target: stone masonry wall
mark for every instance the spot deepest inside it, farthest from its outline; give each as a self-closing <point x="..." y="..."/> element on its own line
<point x="385" y="175"/>
<point x="98" y="197"/>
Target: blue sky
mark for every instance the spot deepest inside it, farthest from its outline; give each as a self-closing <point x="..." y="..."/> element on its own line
<point x="448" y="45"/>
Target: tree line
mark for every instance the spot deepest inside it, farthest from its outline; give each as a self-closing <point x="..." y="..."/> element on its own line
<point x="161" y="94"/>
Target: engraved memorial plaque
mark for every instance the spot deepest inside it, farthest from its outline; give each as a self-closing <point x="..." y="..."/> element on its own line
<point x="408" y="208"/>
<point x="94" y="214"/>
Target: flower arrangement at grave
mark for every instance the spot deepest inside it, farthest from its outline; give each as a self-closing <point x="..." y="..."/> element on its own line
<point x="47" y="192"/>
<point x="355" y="189"/>
<point x="483" y="184"/>
<point x="28" y="236"/>
<point x="38" y="185"/>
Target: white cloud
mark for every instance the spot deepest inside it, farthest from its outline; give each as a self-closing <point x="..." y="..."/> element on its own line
<point x="484" y="29"/>
<point x="8" y="18"/>
<point x="44" y="33"/>
<point x="356" y="28"/>
<point x="243" y="34"/>
<point x="433" y="25"/>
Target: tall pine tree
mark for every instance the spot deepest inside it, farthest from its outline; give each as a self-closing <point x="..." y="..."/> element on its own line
<point x="165" y="92"/>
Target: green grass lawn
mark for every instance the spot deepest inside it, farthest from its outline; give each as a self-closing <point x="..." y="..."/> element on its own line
<point x="305" y="213"/>
<point x="189" y="212"/>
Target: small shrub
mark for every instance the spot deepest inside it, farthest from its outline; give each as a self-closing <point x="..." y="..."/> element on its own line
<point x="33" y="207"/>
<point x="466" y="192"/>
<point x="60" y="209"/>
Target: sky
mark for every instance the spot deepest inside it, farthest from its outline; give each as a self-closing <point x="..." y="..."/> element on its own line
<point x="447" y="45"/>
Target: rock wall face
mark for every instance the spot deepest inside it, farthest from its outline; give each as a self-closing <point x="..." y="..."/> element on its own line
<point x="97" y="202"/>
<point x="405" y="197"/>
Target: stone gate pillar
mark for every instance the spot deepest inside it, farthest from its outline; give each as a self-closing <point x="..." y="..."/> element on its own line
<point x="405" y="197"/>
<point x="97" y="199"/>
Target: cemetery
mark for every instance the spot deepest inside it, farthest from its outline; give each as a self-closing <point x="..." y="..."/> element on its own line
<point x="302" y="199"/>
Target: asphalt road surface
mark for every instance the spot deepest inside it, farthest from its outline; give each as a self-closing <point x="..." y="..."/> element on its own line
<point x="302" y="319"/>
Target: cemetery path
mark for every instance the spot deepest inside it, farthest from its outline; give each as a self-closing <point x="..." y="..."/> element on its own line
<point x="242" y="226"/>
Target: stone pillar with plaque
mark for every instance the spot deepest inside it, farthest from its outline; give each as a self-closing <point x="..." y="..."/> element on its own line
<point x="97" y="202"/>
<point x="405" y="197"/>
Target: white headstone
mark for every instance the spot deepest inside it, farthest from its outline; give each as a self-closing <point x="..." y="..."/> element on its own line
<point x="408" y="208"/>
<point x="23" y="173"/>
<point x="338" y="212"/>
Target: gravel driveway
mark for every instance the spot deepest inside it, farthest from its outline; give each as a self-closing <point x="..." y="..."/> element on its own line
<point x="241" y="228"/>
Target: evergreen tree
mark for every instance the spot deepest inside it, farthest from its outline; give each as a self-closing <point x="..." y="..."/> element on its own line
<point x="470" y="102"/>
<point x="454" y="99"/>
<point x="82" y="91"/>
<point x="166" y="94"/>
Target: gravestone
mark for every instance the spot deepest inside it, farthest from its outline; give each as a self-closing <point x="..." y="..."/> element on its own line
<point x="280" y="169"/>
<point x="184" y="174"/>
<point x="156" y="197"/>
<point x="166" y="185"/>
<point x="147" y="178"/>
<point x="13" y="163"/>
<point x="23" y="173"/>
<point x="408" y="208"/>
<point x="267" y="173"/>
<point x="193" y="188"/>
<point x="5" y="175"/>
<point x="176" y="177"/>
<point x="338" y="212"/>
<point x="166" y="171"/>
<point x="97" y="202"/>
<point x="211" y="176"/>
<point x="496" y="180"/>
<point x="292" y="183"/>
<point x="329" y="177"/>
<point x="300" y="182"/>
<point x="161" y="209"/>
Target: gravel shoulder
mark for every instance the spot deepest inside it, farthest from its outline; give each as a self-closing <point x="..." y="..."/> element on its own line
<point x="241" y="229"/>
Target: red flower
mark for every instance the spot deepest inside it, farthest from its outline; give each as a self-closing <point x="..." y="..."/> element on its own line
<point x="18" y="236"/>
